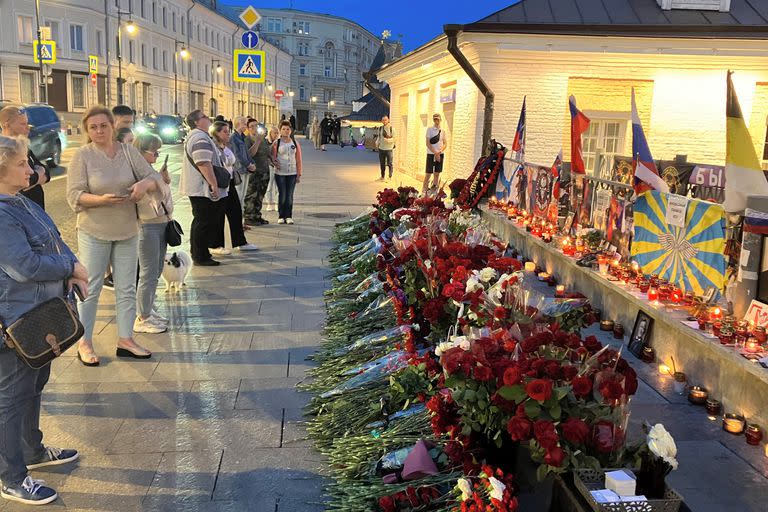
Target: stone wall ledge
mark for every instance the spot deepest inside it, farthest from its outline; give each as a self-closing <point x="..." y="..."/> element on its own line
<point x="740" y="384"/>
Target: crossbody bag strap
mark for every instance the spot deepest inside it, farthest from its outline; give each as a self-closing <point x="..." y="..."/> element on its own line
<point x="197" y="168"/>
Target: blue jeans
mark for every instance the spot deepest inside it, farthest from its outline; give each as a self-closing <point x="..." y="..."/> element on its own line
<point x="271" y="196"/>
<point x="21" y="441"/>
<point x="152" y="248"/>
<point x="96" y="255"/>
<point x="285" y="187"/>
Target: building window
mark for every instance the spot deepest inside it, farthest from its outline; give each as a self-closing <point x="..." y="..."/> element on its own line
<point x="274" y="25"/>
<point x="165" y="18"/>
<point x="303" y="69"/>
<point x="206" y="35"/>
<point x="165" y="60"/>
<point x="154" y="58"/>
<point x="131" y="54"/>
<point x="99" y="48"/>
<point x="55" y="32"/>
<point x="173" y="21"/>
<point x="207" y="74"/>
<point x="143" y="10"/>
<point x="328" y="73"/>
<point x="28" y="81"/>
<point x="154" y="12"/>
<point x="605" y="136"/>
<point x="78" y="91"/>
<point x="302" y="93"/>
<point x="143" y="55"/>
<point x="198" y="33"/>
<point x="183" y="29"/>
<point x="26" y="34"/>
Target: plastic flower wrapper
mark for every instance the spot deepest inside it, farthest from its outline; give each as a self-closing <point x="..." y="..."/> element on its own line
<point x="399" y="415"/>
<point x="370" y="373"/>
<point x="382" y="301"/>
<point x="658" y="457"/>
<point x="662" y="445"/>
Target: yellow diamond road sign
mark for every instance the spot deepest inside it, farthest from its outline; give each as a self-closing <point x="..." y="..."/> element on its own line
<point x="250" y="17"/>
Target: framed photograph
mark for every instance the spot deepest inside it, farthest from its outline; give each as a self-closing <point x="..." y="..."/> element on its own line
<point x="568" y="224"/>
<point x="709" y="295"/>
<point x="641" y="332"/>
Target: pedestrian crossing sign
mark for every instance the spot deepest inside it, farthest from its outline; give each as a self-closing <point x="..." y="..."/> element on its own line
<point x="249" y="66"/>
<point x="44" y="51"/>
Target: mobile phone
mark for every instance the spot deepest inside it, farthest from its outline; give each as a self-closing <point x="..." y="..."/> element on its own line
<point x="76" y="289"/>
<point x="165" y="162"/>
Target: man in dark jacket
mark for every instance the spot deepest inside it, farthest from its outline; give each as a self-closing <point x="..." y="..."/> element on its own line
<point x="14" y="123"/>
<point x="258" y="149"/>
<point x="325" y="131"/>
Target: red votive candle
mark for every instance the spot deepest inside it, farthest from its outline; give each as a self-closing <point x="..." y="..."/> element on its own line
<point x="653" y="294"/>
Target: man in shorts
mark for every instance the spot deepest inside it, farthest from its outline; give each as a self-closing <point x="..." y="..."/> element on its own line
<point x="436" y="144"/>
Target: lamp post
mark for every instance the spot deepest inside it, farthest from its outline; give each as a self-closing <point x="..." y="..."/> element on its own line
<point x="312" y="105"/>
<point x="184" y="54"/>
<point x="130" y="27"/>
<point x="218" y="69"/>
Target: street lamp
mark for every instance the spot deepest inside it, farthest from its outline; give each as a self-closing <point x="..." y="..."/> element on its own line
<point x="331" y="104"/>
<point x="218" y="69"/>
<point x="184" y="54"/>
<point x="131" y="28"/>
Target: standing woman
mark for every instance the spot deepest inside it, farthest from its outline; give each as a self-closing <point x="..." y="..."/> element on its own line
<point x="286" y="154"/>
<point x="102" y="189"/>
<point x="152" y="244"/>
<point x="270" y="197"/>
<point x="233" y="210"/>
<point x="35" y="266"/>
<point x="14" y="123"/>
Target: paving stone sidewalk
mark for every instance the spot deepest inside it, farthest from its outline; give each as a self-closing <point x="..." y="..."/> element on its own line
<point x="211" y="422"/>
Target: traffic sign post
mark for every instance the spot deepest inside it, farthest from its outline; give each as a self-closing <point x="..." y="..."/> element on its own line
<point x="279" y="94"/>
<point x="93" y="64"/>
<point x="249" y="66"/>
<point x="44" y="51"/>
<point x="250" y="39"/>
<point x="94" y="79"/>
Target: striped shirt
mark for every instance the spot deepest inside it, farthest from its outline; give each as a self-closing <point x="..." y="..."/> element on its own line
<point x="201" y="149"/>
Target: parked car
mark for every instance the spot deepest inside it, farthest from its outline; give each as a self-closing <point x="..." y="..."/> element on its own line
<point x="44" y="133"/>
<point x="169" y="128"/>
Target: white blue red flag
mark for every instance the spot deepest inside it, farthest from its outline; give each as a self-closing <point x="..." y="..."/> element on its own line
<point x="579" y="124"/>
<point x="646" y="174"/>
<point x="518" y="145"/>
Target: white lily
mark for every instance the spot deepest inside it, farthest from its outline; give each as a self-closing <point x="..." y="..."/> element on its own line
<point x="497" y="488"/>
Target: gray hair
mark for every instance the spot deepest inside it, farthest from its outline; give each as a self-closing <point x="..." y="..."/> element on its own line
<point x="10" y="147"/>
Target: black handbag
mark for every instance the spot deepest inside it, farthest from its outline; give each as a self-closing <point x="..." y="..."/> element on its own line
<point x="435" y="138"/>
<point x="44" y="332"/>
<point x="173" y="233"/>
<point x="221" y="173"/>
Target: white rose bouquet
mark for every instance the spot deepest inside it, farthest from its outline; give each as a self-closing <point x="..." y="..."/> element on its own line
<point x="657" y="458"/>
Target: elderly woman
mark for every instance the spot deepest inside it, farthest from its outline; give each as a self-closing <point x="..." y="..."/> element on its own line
<point x="35" y="266"/>
<point x="104" y="182"/>
<point x="152" y="244"/>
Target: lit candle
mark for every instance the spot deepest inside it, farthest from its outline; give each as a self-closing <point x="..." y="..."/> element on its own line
<point x="560" y="290"/>
<point x="676" y="296"/>
<point x="752" y="346"/>
<point x="543" y="276"/>
<point x="653" y="294"/>
<point x="733" y="423"/>
<point x="530" y="266"/>
<point x="636" y="267"/>
<point x="697" y="395"/>
<point x="716" y="313"/>
<point x="664" y="369"/>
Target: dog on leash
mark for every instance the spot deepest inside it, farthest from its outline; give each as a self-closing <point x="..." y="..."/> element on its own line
<point x="175" y="270"/>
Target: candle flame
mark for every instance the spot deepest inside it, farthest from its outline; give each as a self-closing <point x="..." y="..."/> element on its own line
<point x="664" y="369"/>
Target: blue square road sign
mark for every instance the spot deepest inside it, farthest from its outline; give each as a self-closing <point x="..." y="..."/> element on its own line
<point x="249" y="66"/>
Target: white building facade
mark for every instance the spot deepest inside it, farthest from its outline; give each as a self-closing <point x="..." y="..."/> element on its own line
<point x="156" y="75"/>
<point x="330" y="55"/>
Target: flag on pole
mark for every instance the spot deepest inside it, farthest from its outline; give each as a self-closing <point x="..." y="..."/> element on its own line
<point x="645" y="171"/>
<point x="556" y="176"/>
<point x="518" y="145"/>
<point x="579" y="124"/>
<point x="743" y="175"/>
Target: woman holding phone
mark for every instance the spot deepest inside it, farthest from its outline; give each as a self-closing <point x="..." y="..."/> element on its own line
<point x="152" y="243"/>
<point x="104" y="182"/>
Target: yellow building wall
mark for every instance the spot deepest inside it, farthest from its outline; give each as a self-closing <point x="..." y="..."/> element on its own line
<point x="758" y="121"/>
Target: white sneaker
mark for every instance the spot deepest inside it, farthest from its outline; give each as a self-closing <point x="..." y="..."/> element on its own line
<point x="271" y="208"/>
<point x="289" y="220"/>
<point x="148" y="326"/>
<point x="220" y="251"/>
<point x="247" y="247"/>
<point x="281" y="221"/>
<point x="157" y="316"/>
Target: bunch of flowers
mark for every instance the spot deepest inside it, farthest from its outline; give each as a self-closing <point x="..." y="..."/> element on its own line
<point x="491" y="491"/>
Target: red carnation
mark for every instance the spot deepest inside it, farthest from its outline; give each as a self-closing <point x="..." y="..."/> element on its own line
<point x="519" y="428"/>
<point x="500" y="313"/>
<point x="555" y="457"/>
<point x="512" y="376"/>
<point x="630" y="381"/>
<point x="539" y="389"/>
<point x="582" y="386"/>
<point x="387" y="504"/>
<point x="575" y="430"/>
<point x="569" y="372"/>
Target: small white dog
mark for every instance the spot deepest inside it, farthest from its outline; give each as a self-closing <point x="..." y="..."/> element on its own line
<point x="175" y="270"/>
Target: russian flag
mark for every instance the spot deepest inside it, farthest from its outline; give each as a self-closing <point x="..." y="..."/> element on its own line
<point x="518" y="145"/>
<point x="646" y="174"/>
<point x="579" y="124"/>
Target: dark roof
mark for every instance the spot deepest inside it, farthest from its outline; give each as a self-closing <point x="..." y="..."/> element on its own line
<point x="379" y="60"/>
<point x="746" y="19"/>
<point x="373" y="111"/>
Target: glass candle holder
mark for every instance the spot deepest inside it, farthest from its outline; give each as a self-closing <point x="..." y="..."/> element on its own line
<point x="551" y="281"/>
<point x="643" y="285"/>
<point x="697" y="395"/>
<point x="618" y="331"/>
<point x="716" y="327"/>
<point x="530" y="266"/>
<point x="655" y="280"/>
<point x="716" y="313"/>
<point x="602" y="263"/>
<point x="702" y="320"/>
<point x="713" y="406"/>
<point x="734" y="423"/>
<point x="680" y="382"/>
<point x="752" y="346"/>
<point x="760" y="333"/>
<point x="676" y="295"/>
<point x="560" y="291"/>
<point x="725" y="334"/>
<point x="653" y="293"/>
<point x="754" y="434"/>
<point x="606" y="325"/>
<point x="648" y="355"/>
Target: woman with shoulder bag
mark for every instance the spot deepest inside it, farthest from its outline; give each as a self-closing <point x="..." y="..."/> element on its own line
<point x="35" y="266"/>
<point x="153" y="243"/>
<point x="105" y="181"/>
<point x="220" y="133"/>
